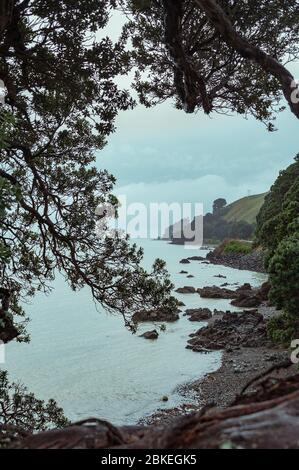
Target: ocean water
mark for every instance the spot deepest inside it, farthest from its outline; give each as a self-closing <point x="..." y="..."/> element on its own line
<point x="91" y="365"/>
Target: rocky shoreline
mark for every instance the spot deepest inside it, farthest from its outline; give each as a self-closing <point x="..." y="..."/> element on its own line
<point x="253" y="261"/>
<point x="248" y="356"/>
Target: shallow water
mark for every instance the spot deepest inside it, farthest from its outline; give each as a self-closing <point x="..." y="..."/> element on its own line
<point x="92" y="366"/>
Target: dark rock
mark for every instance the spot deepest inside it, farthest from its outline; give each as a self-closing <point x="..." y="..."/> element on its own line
<point x="190" y="276"/>
<point x="233" y="329"/>
<point x="253" y="261"/>
<point x="186" y="290"/>
<point x="216" y="292"/>
<point x="246" y="297"/>
<point x="185" y="261"/>
<point x="196" y="258"/>
<point x="155" y="315"/>
<point x="183" y="272"/>
<point x="244" y="287"/>
<point x="220" y="276"/>
<point x="247" y="301"/>
<point x="150" y="335"/>
<point x="264" y="291"/>
<point x="199" y="314"/>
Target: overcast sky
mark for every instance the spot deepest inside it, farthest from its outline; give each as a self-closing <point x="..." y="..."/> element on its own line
<point x="164" y="155"/>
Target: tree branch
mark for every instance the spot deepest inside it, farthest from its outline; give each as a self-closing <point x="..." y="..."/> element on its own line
<point x="189" y="83"/>
<point x="271" y="66"/>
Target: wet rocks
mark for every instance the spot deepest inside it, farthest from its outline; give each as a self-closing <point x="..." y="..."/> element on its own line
<point x="186" y="290"/>
<point x="253" y="261"/>
<point x="196" y="258"/>
<point x="216" y="292"/>
<point x="150" y="335"/>
<point x="183" y="272"/>
<point x="184" y="261"/>
<point x="198" y="314"/>
<point x="233" y="329"/>
<point x="155" y="315"/>
<point x="264" y="291"/>
<point x="246" y="301"/>
<point x="251" y="298"/>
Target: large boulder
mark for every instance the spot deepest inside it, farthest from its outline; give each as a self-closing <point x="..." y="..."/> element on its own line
<point x="247" y="301"/>
<point x="186" y="290"/>
<point x="232" y="329"/>
<point x="264" y="291"/>
<point x="150" y="335"/>
<point x="216" y="292"/>
<point x="185" y="261"/>
<point x="198" y="314"/>
<point x="160" y="315"/>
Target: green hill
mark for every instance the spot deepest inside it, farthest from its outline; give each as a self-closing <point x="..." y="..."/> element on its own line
<point x="245" y="209"/>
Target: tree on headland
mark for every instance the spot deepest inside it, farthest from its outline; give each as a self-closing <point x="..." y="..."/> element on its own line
<point x="218" y="204"/>
<point x="223" y="56"/>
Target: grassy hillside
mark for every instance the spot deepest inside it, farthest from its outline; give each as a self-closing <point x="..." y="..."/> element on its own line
<point x="245" y="209"/>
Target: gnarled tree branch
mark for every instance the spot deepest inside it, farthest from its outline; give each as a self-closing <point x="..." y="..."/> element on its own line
<point x="189" y="83"/>
<point x="250" y="52"/>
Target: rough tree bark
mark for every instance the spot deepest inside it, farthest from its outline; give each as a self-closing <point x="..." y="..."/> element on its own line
<point x="190" y="85"/>
<point x="6" y="7"/>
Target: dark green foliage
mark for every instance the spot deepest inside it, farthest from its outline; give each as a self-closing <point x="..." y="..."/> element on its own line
<point x="218" y="205"/>
<point x="278" y="216"/>
<point x="278" y="232"/>
<point x="237" y="246"/>
<point x="283" y="268"/>
<point x="215" y="226"/>
<point x="181" y="54"/>
<point x="61" y="91"/>
<point x="22" y="411"/>
<point x="283" y="328"/>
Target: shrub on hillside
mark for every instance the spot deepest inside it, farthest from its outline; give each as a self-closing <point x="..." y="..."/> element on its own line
<point x="237" y="246"/>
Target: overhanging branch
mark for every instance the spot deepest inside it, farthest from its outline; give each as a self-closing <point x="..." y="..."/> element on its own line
<point x="190" y="85"/>
<point x="271" y="66"/>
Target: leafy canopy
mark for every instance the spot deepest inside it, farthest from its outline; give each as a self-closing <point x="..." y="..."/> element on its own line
<point x="223" y="56"/>
<point x="60" y="80"/>
<point x="278" y="232"/>
<point x="22" y="413"/>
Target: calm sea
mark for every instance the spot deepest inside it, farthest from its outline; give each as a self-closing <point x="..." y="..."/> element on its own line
<point x="87" y="361"/>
